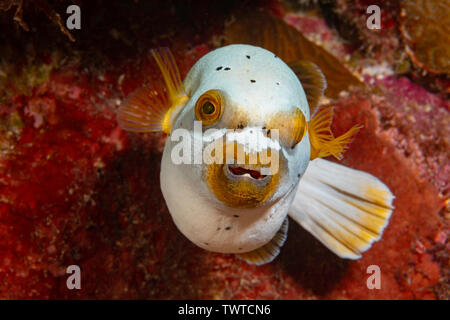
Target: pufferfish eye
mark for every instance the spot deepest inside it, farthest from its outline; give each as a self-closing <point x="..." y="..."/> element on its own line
<point x="209" y="107"/>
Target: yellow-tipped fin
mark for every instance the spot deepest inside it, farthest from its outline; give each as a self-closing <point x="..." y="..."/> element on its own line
<point x="150" y="108"/>
<point x="269" y="251"/>
<point x="345" y="209"/>
<point x="323" y="142"/>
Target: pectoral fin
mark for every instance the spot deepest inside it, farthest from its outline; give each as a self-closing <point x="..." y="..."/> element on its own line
<point x="323" y="142"/>
<point x="269" y="251"/>
<point x="151" y="108"/>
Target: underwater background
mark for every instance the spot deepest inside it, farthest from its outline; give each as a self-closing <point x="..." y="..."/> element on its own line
<point x="75" y="189"/>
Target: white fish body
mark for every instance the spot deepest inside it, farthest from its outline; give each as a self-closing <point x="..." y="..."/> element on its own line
<point x="195" y="210"/>
<point x="224" y="210"/>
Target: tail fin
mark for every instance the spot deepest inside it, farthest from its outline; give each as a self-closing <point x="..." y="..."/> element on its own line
<point x="346" y="209"/>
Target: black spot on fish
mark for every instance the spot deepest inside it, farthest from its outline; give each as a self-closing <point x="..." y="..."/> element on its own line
<point x="278" y="83"/>
<point x="227" y="228"/>
<point x="227" y="68"/>
<point x="219" y="68"/>
<point x="248" y="57"/>
<point x="299" y="175"/>
<point x="252" y="81"/>
<point x="235" y="215"/>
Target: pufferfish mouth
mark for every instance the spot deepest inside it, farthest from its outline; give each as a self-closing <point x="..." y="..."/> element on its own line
<point x="241" y="185"/>
<point x="246" y="171"/>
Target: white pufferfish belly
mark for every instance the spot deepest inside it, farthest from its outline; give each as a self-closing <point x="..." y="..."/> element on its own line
<point x="263" y="84"/>
<point x="210" y="224"/>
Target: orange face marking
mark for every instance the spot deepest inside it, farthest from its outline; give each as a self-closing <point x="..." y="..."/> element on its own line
<point x="241" y="185"/>
<point x="292" y="126"/>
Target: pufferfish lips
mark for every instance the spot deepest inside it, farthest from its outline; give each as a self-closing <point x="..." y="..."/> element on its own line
<point x="246" y="184"/>
<point x="246" y="171"/>
<point x="242" y="185"/>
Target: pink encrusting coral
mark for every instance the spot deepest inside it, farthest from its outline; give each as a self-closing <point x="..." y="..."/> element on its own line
<point x="76" y="189"/>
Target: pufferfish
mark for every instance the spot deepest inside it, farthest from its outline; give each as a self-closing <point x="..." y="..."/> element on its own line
<point x="243" y="208"/>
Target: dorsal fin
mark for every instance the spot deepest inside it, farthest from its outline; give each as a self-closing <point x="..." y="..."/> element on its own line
<point x="149" y="108"/>
<point x="270" y="250"/>
<point x="323" y="142"/>
<point x="262" y="29"/>
<point x="312" y="80"/>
